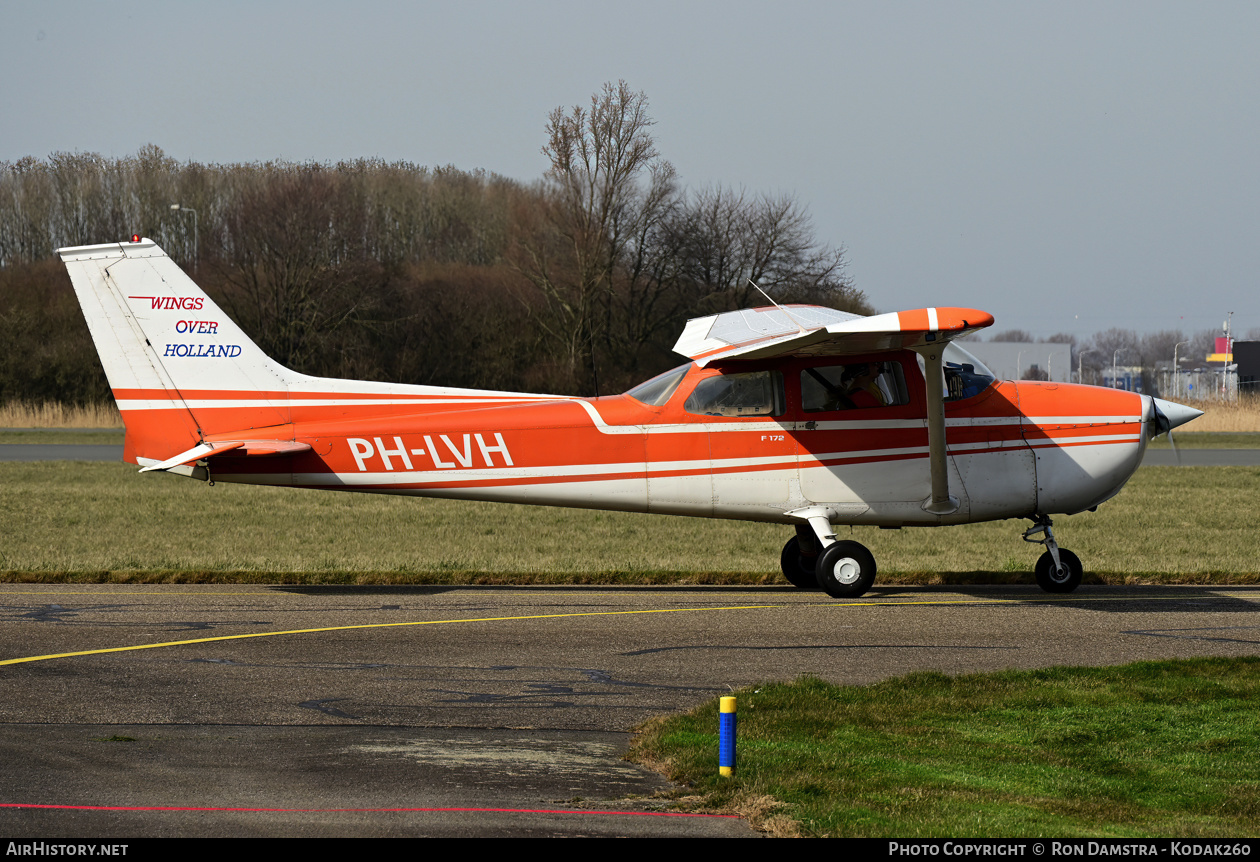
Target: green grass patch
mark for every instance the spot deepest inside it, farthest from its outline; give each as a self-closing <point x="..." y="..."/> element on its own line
<point x="1208" y="440"/>
<point x="1151" y="749"/>
<point x="104" y="522"/>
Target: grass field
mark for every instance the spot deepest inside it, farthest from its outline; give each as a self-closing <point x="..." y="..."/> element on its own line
<point x="104" y="521"/>
<point x="1151" y="749"/>
<point x="1167" y="749"/>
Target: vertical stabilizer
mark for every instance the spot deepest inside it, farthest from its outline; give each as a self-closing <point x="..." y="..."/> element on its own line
<point x="179" y="368"/>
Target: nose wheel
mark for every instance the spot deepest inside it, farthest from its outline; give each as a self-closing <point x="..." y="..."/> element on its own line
<point x="1058" y="570"/>
<point x="1061" y="578"/>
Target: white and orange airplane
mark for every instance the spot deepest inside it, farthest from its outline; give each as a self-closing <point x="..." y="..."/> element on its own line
<point x="798" y="415"/>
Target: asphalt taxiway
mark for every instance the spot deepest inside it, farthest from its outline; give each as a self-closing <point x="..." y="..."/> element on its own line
<point x="250" y="710"/>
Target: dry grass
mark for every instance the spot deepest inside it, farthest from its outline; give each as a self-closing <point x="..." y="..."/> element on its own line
<point x="104" y="522"/>
<point x="20" y="414"/>
<point x="1232" y="416"/>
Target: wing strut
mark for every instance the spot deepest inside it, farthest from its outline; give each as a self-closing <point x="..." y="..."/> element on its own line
<point x="940" y="503"/>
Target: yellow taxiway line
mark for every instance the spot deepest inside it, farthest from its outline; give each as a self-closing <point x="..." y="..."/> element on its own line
<point x="371" y="626"/>
<point x="855" y="604"/>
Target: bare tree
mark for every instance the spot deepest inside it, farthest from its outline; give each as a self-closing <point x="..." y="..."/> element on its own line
<point x="697" y="256"/>
<point x="727" y="238"/>
<point x="605" y="190"/>
<point x="298" y="272"/>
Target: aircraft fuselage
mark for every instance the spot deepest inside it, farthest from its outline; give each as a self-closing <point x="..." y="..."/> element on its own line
<point x="1015" y="449"/>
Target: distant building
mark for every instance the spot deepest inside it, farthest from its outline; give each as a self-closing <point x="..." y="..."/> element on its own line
<point x="1212" y="380"/>
<point x="1024" y="360"/>
<point x="1247" y="355"/>
<point x="1126" y="377"/>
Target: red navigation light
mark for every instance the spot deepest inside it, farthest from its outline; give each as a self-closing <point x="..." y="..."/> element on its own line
<point x="135" y="237"/>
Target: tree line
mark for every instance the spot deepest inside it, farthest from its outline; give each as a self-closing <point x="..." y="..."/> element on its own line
<point x="577" y="283"/>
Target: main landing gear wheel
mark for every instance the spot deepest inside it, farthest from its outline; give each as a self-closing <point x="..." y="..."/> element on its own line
<point x="845" y="570"/>
<point x="798" y="568"/>
<point x="1062" y="579"/>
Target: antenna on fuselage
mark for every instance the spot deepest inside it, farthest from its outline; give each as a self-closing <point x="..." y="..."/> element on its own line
<point x="776" y="305"/>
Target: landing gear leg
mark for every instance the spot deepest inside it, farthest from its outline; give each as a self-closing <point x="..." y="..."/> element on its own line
<point x="1058" y="570"/>
<point x="845" y="570"/>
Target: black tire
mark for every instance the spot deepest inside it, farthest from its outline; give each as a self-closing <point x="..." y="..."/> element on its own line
<point x="798" y="568"/>
<point x="1066" y="579"/>
<point x="845" y="570"/>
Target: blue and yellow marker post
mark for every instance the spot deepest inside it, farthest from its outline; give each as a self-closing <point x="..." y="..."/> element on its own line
<point x="726" y="736"/>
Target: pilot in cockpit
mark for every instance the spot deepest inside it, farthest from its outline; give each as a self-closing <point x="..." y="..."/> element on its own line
<point x="861" y="384"/>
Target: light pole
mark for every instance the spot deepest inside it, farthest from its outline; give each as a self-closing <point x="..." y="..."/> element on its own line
<point x="181" y="208"/>
<point x="1114" y="357"/>
<point x="1229" y="350"/>
<point x="1177" y="370"/>
<point x="1080" y="365"/>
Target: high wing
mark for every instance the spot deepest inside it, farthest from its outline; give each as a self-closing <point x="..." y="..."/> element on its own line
<point x="811" y="330"/>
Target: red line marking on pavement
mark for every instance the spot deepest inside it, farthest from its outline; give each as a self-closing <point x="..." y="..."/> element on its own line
<point x="357" y="810"/>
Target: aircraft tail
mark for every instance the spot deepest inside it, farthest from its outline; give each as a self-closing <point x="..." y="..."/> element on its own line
<point x="179" y="368"/>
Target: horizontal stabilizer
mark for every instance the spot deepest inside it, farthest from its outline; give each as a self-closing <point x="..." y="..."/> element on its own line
<point x="240" y="448"/>
<point x="811" y="330"/>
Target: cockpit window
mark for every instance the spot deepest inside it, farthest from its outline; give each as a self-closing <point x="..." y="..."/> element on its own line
<point x="752" y="393"/>
<point x="965" y="376"/>
<point x="656" y="392"/>
<point x="852" y="386"/>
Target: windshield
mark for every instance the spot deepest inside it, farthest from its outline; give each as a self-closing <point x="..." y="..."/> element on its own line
<point x="655" y="392"/>
<point x="965" y="376"/>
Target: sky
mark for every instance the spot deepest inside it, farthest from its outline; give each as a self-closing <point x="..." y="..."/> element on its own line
<point x="1065" y="166"/>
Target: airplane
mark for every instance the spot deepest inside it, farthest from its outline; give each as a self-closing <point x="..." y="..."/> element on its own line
<point x="799" y="415"/>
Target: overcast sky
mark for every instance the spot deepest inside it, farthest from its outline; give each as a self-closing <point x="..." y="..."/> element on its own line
<point x="1065" y="166"/>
